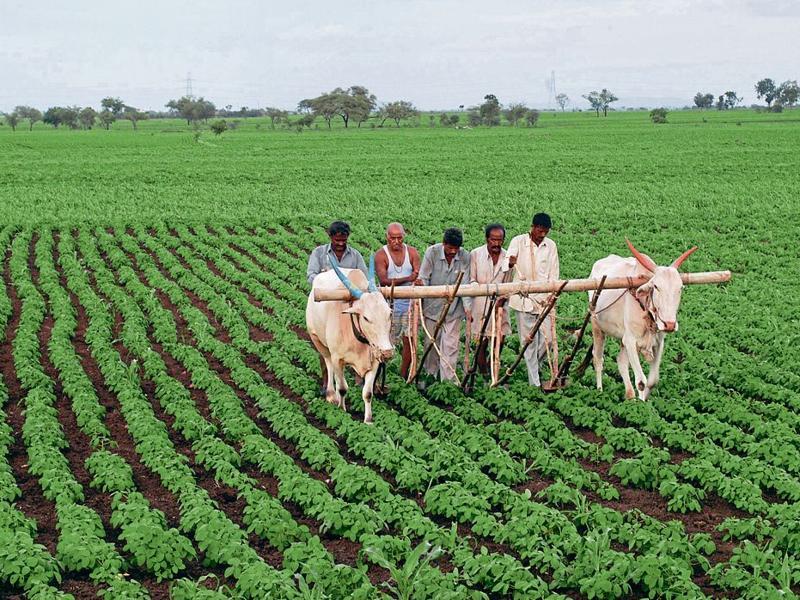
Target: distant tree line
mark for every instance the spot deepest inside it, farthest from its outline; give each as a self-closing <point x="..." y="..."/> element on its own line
<point x="356" y="105"/>
<point x="787" y="94"/>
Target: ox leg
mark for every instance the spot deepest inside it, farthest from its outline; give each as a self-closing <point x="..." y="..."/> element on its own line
<point x="366" y="394"/>
<point x="598" y="345"/>
<point x="341" y="382"/>
<point x="330" y="390"/>
<point x="655" y="366"/>
<point x="633" y="357"/>
<point x="623" y="363"/>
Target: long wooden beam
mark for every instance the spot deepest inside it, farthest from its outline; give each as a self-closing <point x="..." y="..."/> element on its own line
<point x="522" y="287"/>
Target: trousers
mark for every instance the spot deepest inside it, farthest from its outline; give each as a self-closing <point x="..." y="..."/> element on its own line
<point x="536" y="351"/>
<point x="448" y="342"/>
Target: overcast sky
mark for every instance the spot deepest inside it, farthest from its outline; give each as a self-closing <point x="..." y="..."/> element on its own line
<point x="438" y="54"/>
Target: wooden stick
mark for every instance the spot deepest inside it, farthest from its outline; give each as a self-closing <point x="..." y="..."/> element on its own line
<point x="440" y="322"/>
<point x="561" y="376"/>
<point x="481" y="337"/>
<point x="529" y="340"/>
<point x="522" y="287"/>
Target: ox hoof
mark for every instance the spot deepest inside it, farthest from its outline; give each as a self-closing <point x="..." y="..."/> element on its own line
<point x="630" y="394"/>
<point x="368" y="422"/>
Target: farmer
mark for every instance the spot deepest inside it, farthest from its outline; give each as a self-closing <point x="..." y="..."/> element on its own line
<point x="320" y="260"/>
<point x="534" y="257"/>
<point x="486" y="266"/>
<point x="440" y="266"/>
<point x="347" y="256"/>
<point x="398" y="263"/>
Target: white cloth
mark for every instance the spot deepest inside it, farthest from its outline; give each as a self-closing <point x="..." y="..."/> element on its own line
<point x="534" y="263"/>
<point x="483" y="270"/>
<point x="534" y="352"/>
<point x="448" y="342"/>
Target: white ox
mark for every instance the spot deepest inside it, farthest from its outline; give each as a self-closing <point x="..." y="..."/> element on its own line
<point x="640" y="318"/>
<point x="354" y="332"/>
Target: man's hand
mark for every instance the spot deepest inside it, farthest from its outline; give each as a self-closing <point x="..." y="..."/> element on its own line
<point x="512" y="261"/>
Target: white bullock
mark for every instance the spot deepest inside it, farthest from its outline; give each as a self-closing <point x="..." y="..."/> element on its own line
<point x="640" y="318"/>
<point x="354" y="332"/>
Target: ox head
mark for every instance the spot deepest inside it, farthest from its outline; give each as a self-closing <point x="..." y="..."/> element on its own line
<point x="661" y="296"/>
<point x="375" y="316"/>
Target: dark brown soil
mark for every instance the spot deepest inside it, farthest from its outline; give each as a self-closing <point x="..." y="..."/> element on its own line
<point x="32" y="503"/>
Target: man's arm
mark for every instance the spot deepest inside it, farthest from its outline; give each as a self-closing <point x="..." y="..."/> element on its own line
<point x="314" y="266"/>
<point x="382" y="269"/>
<point x="360" y="264"/>
<point x="555" y="267"/>
<point x="413" y="255"/>
<point x="426" y="268"/>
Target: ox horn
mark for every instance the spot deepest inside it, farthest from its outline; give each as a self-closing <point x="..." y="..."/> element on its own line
<point x="371" y="277"/>
<point x="679" y="261"/>
<point x="643" y="260"/>
<point x="354" y="291"/>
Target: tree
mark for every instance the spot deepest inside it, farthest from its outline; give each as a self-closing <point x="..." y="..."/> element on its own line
<point x="490" y="110"/>
<point x="600" y="100"/>
<point x="397" y="111"/>
<point x="219" y="127"/>
<point x="276" y="115"/>
<point x="12" y="120"/>
<point x="515" y="112"/>
<point x="788" y="93"/>
<point x="193" y="109"/>
<point x="27" y="112"/>
<point x="728" y="100"/>
<point x="454" y="120"/>
<point x="474" y="116"/>
<point x="115" y="105"/>
<point x="766" y="89"/>
<point x="106" y="118"/>
<point x="702" y="100"/>
<point x="658" y="115"/>
<point x="60" y="115"/>
<point x="325" y="106"/>
<point x="307" y="120"/>
<point x="134" y="115"/>
<point x="562" y="100"/>
<point x="444" y="119"/>
<point x="87" y="117"/>
<point x="360" y="103"/>
<point x="532" y="117"/>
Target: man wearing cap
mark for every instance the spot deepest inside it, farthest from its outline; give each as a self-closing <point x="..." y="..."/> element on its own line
<point x="534" y="257"/>
<point x="440" y="266"/>
<point x="486" y="267"/>
<point x="398" y="263"/>
<point x="320" y="260"/>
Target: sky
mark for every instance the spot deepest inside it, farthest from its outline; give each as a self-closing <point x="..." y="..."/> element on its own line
<point x="437" y="54"/>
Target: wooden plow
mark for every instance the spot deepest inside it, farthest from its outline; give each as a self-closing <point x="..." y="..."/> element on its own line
<point x="497" y="290"/>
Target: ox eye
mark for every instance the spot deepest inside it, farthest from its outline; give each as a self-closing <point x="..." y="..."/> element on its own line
<point x="655" y="287"/>
<point x="367" y="320"/>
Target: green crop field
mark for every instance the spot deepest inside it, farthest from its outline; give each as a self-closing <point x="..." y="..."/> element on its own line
<point x="160" y="430"/>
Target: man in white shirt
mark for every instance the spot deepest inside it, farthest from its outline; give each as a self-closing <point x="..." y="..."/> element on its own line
<point x="486" y="266"/>
<point x="534" y="257"/>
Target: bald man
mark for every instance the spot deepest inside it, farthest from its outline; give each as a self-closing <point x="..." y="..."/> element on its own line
<point x="399" y="263"/>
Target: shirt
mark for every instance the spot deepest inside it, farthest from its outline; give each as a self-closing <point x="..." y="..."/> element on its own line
<point x="534" y="263"/>
<point x="483" y="270"/>
<point x="434" y="270"/>
<point x="320" y="261"/>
